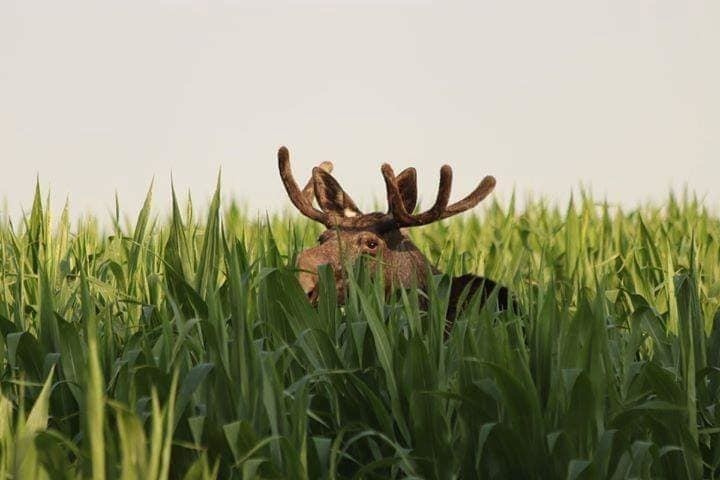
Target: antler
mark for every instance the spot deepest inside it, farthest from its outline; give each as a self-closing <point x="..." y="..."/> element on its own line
<point x="309" y="191"/>
<point x="331" y="197"/>
<point x="303" y="199"/>
<point x="297" y="197"/>
<point x="440" y="209"/>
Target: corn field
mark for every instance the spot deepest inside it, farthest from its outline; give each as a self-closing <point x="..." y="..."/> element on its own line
<point x="182" y="346"/>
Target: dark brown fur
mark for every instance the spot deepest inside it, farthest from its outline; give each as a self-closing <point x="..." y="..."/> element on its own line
<point x="350" y="233"/>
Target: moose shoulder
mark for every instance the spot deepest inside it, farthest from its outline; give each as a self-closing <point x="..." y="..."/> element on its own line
<point x="351" y="233"/>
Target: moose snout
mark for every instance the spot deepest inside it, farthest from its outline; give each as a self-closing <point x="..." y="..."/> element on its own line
<point x="311" y="260"/>
<point x="309" y="282"/>
<point x="308" y="263"/>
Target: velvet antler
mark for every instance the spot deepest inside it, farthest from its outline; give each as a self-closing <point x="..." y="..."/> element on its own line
<point x="440" y="209"/>
<point x="337" y="208"/>
<point x="309" y="191"/>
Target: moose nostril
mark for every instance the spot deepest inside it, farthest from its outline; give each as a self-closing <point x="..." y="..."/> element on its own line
<point x="313" y="295"/>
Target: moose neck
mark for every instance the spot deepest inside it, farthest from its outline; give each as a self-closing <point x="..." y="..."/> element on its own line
<point x="406" y="264"/>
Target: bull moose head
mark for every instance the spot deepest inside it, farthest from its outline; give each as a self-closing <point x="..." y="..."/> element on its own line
<point x="350" y="233"/>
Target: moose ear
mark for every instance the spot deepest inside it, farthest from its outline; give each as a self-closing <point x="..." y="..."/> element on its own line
<point x="407" y="184"/>
<point x="331" y="197"/>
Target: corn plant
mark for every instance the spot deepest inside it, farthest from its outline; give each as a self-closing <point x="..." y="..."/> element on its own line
<point x="184" y="347"/>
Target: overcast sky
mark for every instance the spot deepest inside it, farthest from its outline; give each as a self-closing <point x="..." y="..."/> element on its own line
<point x="98" y="97"/>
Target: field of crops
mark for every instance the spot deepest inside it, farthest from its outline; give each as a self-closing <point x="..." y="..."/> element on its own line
<point x="183" y="347"/>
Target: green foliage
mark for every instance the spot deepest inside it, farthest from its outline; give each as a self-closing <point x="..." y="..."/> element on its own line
<point x="185" y="348"/>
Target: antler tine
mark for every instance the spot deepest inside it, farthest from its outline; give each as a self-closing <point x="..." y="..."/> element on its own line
<point x="407" y="184"/>
<point x="296" y="195"/>
<point x="486" y="186"/>
<point x="395" y="203"/>
<point x="309" y="190"/>
<point x="397" y="209"/>
<point x="443" y="197"/>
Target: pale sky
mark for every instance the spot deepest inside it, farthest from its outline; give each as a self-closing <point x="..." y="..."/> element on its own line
<point x="98" y="97"/>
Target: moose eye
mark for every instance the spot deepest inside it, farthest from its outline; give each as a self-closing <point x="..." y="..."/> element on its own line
<point x="371" y="244"/>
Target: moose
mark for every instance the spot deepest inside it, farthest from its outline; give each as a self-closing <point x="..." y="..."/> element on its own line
<point x="350" y="233"/>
